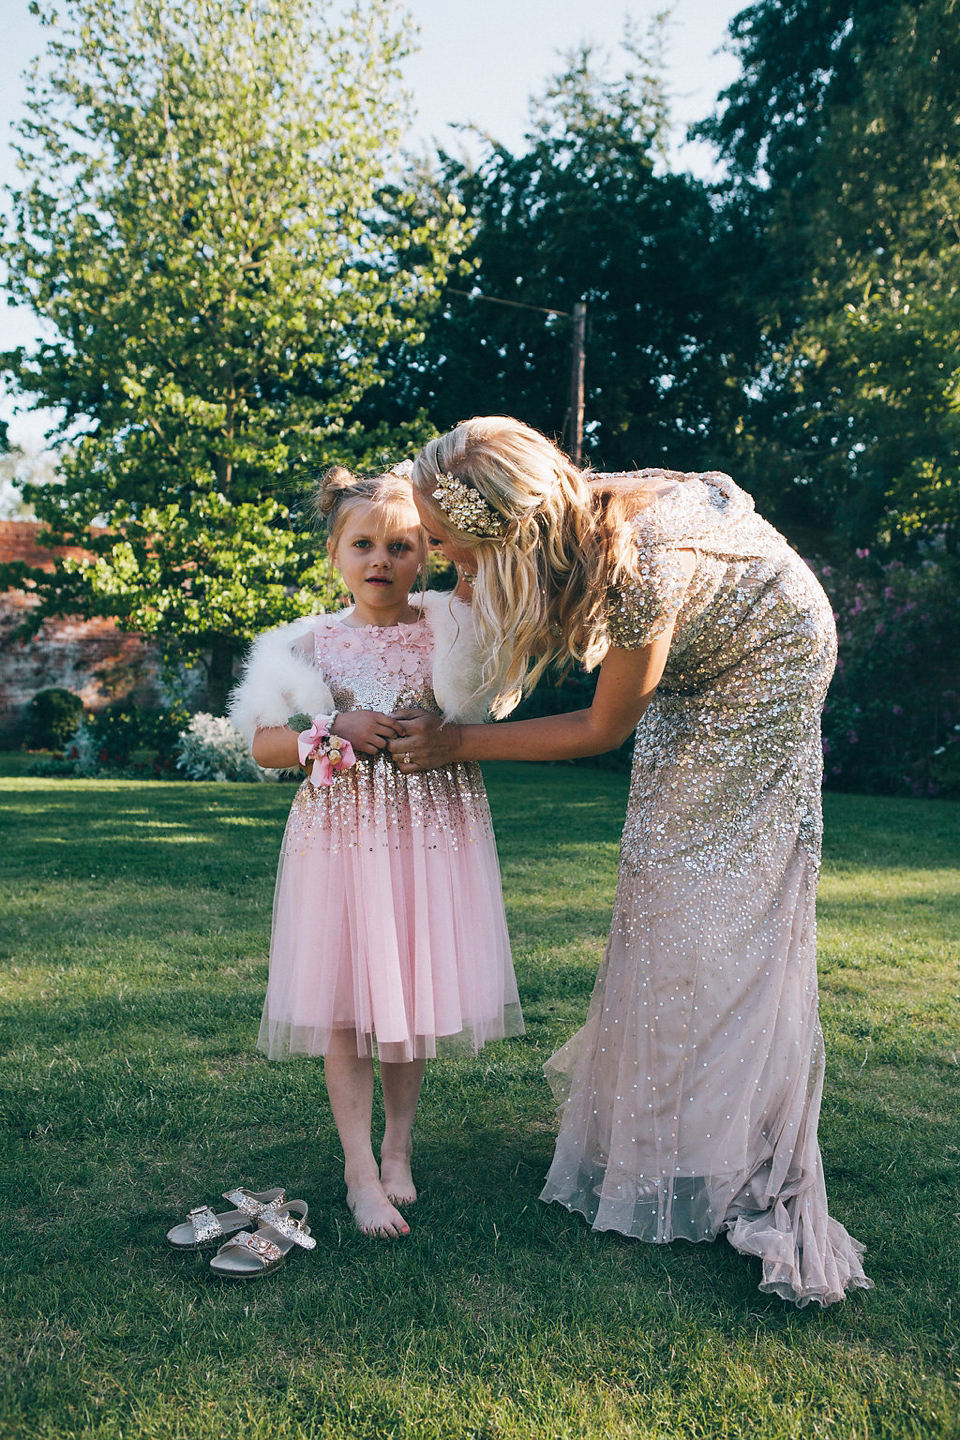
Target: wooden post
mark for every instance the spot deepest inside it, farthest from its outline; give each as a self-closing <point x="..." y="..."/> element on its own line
<point x="576" y="381"/>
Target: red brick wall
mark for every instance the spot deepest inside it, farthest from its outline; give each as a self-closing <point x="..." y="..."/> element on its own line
<point x="92" y="658"/>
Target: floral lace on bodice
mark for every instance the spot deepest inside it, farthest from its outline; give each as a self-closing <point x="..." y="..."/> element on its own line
<point x="374" y="667"/>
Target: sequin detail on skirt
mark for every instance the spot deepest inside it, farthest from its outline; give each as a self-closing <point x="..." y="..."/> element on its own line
<point x="388" y="915"/>
<point x="691" y="1096"/>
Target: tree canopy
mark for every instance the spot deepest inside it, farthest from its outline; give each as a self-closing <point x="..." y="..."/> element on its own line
<point x="200" y="223"/>
<point x="588" y="211"/>
<point x="843" y="138"/>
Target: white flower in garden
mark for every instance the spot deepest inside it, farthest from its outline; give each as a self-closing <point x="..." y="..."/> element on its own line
<point x="212" y="749"/>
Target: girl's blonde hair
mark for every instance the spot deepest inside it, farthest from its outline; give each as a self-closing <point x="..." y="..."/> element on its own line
<point x="340" y="491"/>
<point x="542" y="585"/>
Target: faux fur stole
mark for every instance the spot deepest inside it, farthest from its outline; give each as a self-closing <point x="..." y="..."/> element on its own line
<point x="280" y="679"/>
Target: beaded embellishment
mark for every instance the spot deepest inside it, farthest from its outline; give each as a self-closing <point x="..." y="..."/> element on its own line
<point x="259" y="1245"/>
<point x="466" y="508"/>
<point x="290" y="1228"/>
<point x="205" y="1224"/>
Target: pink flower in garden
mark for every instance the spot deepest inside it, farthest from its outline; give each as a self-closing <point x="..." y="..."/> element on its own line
<point x="862" y="554"/>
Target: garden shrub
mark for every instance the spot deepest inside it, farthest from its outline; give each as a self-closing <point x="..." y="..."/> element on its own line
<point x="891" y="724"/>
<point x="117" y="732"/>
<point x="53" y="716"/>
<point x="210" y="748"/>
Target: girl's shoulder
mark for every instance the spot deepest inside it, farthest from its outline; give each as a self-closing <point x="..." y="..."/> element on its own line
<point x="437" y="605"/>
<point x="279" y="678"/>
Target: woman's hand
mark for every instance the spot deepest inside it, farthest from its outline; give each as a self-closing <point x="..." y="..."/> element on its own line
<point x="368" y="731"/>
<point x="423" y="742"/>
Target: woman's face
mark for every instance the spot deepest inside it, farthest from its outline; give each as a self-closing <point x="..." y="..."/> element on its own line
<point x="440" y="538"/>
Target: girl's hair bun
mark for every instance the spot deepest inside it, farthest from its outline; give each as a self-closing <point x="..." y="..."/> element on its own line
<point x="332" y="486"/>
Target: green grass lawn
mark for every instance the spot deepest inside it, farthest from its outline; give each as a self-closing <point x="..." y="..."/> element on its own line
<point x="135" y="925"/>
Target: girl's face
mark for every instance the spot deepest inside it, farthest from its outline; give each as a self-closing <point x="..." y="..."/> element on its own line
<point x="378" y="553"/>
<point x="440" y="539"/>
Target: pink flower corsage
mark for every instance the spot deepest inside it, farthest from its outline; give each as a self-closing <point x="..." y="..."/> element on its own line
<point x="329" y="753"/>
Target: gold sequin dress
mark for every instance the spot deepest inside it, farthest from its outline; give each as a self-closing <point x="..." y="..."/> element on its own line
<point x="692" y="1093"/>
<point x="388" y="916"/>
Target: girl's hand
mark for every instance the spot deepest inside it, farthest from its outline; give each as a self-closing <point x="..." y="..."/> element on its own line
<point x="368" y="731"/>
<point x="423" y="742"/>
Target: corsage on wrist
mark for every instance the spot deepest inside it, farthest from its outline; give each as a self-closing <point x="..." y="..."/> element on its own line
<point x="329" y="753"/>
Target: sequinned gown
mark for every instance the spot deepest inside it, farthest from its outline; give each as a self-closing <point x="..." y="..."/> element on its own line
<point x="693" y="1090"/>
<point x="388" y="914"/>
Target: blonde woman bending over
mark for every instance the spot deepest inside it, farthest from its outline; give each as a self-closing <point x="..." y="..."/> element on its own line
<point x="692" y="1093"/>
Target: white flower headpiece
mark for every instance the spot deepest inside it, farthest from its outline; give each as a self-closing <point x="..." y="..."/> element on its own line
<point x="466" y="507"/>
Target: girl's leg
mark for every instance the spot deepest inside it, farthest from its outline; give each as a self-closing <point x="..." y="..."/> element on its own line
<point x="401" y="1092"/>
<point x="349" y="1079"/>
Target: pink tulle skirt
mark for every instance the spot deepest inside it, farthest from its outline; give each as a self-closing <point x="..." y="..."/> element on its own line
<point x="388" y="919"/>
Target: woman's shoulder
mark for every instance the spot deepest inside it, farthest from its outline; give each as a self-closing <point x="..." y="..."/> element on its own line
<point x="674" y="506"/>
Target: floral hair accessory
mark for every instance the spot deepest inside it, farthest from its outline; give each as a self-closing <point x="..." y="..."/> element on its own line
<point x="329" y="753"/>
<point x="466" y="508"/>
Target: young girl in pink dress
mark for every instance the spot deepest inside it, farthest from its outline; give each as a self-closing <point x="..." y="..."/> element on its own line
<point x="389" y="935"/>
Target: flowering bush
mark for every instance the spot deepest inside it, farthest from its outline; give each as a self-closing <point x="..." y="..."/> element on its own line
<point x="211" y="748"/>
<point x="82" y="750"/>
<point x="891" y="724"/>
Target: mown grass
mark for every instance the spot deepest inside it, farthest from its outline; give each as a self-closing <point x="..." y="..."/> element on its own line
<point x="135" y="922"/>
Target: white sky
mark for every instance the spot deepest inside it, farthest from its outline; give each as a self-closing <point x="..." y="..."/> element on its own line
<point x="478" y="63"/>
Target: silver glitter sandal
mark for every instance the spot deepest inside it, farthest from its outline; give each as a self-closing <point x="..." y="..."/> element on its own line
<point x="203" y="1227"/>
<point x="248" y="1257"/>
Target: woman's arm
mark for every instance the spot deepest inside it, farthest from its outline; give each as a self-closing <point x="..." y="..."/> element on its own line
<point x="625" y="687"/>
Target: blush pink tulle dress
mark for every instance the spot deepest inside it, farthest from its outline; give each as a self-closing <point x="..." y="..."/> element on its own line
<point x="692" y="1093"/>
<point x="388" y="916"/>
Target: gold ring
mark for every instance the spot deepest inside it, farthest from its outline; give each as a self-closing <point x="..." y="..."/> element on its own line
<point x="407" y="760"/>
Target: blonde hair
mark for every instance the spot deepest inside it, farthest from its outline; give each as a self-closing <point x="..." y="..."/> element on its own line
<point x="340" y="491"/>
<point x="541" y="588"/>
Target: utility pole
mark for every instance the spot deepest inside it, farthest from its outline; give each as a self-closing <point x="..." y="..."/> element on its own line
<point x="575" y="427"/>
<point x="576" y="381"/>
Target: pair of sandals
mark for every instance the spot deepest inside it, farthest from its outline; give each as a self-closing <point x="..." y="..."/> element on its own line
<point x="281" y="1224"/>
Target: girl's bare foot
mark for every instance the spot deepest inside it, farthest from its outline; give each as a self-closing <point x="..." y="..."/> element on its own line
<point x="396" y="1179"/>
<point x="373" y="1213"/>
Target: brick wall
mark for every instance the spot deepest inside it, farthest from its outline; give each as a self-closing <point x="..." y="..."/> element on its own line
<point x="92" y="658"/>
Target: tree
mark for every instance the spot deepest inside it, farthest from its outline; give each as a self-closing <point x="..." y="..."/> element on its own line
<point x="843" y="134"/>
<point x="589" y="212"/>
<point x="199" y="220"/>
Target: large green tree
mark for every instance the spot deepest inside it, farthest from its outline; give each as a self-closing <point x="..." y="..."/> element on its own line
<point x="589" y="211"/>
<point x="199" y="227"/>
<point x="843" y="136"/>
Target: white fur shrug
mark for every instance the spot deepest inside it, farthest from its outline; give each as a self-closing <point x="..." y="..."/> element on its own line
<point x="280" y="680"/>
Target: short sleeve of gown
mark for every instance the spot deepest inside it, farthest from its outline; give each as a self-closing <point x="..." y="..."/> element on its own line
<point x="640" y="609"/>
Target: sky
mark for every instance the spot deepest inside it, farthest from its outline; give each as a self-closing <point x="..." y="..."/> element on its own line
<point x="478" y="64"/>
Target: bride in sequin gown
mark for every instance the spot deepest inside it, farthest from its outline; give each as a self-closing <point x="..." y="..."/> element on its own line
<point x="691" y="1095"/>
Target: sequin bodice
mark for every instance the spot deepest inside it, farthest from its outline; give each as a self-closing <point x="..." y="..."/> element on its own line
<point x="753" y="650"/>
<point x="384" y="668"/>
<point x="374" y="667"/>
